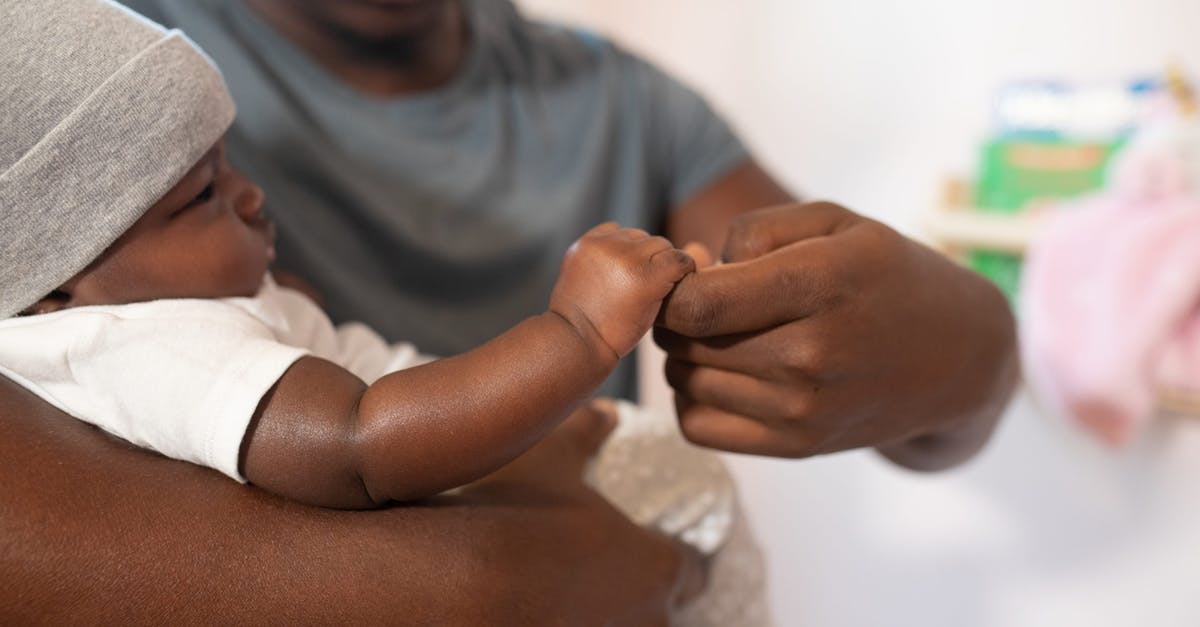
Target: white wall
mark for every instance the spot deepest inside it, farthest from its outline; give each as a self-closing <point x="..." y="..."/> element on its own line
<point x="872" y="103"/>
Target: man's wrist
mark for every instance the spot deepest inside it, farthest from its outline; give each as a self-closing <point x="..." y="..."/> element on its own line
<point x="943" y="449"/>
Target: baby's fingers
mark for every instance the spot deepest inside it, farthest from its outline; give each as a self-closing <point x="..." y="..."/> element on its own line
<point x="603" y="229"/>
<point x="671" y="264"/>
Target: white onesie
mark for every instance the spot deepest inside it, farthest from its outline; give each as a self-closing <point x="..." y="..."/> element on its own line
<point x="184" y="376"/>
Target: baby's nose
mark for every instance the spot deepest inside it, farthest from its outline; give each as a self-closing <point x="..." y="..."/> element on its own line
<point x="249" y="203"/>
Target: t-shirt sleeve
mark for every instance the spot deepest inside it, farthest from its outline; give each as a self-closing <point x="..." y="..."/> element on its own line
<point x="690" y="145"/>
<point x="183" y="385"/>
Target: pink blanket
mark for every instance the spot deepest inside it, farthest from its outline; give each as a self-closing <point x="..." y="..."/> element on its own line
<point x="1110" y="301"/>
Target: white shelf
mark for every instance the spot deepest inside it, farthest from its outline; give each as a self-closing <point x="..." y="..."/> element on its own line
<point x="952" y="228"/>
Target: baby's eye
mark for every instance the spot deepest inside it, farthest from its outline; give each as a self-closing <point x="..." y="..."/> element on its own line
<point x="203" y="196"/>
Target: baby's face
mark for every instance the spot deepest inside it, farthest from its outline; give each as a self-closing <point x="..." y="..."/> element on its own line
<point x="206" y="238"/>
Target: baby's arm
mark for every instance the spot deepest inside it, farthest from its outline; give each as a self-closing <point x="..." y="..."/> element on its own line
<point x="322" y="436"/>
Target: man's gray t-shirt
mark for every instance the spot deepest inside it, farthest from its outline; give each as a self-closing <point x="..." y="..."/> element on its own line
<point x="441" y="218"/>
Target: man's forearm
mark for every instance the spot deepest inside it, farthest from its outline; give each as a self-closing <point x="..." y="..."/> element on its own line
<point x="95" y="531"/>
<point x="946" y="449"/>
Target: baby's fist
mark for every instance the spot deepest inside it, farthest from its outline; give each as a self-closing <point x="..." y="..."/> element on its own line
<point x="613" y="281"/>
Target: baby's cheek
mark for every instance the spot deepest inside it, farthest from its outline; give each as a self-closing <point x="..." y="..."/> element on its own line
<point x="244" y="268"/>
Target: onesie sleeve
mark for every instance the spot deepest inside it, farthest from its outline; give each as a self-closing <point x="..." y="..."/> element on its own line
<point x="353" y="346"/>
<point x="184" y="383"/>
<point x="365" y="353"/>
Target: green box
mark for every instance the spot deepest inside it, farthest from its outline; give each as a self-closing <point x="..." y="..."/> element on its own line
<point x="1017" y="173"/>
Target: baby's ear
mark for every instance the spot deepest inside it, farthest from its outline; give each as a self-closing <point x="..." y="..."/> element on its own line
<point x="52" y="302"/>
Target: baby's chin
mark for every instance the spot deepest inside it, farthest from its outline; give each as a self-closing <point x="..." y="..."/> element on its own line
<point x="245" y="287"/>
<point x="238" y="273"/>
<point x="255" y="285"/>
<point x="249" y="281"/>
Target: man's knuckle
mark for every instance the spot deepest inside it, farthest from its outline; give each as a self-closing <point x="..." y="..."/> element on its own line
<point x="827" y="205"/>
<point x="798" y="406"/>
<point x="694" y="317"/>
<point x="816" y="281"/>
<point x="694" y="433"/>
<point x="876" y="235"/>
<point x="739" y="225"/>
<point x="818" y="358"/>
<point x="797" y="359"/>
<point x="839" y="294"/>
<point x="788" y="282"/>
<point x="749" y="236"/>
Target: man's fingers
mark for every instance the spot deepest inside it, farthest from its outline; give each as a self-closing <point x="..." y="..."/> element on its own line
<point x="759" y="232"/>
<point x="714" y="428"/>
<point x="774" y="404"/>
<point x="739" y="352"/>
<point x="779" y="287"/>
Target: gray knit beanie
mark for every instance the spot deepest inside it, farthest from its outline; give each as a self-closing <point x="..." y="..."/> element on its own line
<point x="101" y="113"/>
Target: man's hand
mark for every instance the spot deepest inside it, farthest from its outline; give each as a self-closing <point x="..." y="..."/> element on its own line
<point x="613" y="281"/>
<point x="826" y="331"/>
<point x="637" y="576"/>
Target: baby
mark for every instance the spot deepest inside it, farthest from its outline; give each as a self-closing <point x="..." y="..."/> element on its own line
<point x="136" y="266"/>
<point x="134" y="295"/>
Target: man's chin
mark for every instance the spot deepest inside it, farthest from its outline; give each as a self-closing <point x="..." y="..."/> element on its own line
<point x="378" y="22"/>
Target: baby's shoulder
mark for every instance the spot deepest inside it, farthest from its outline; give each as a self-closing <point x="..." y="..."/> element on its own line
<point x="168" y="318"/>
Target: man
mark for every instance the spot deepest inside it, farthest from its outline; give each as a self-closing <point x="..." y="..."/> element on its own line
<point x="430" y="161"/>
<point x="444" y="153"/>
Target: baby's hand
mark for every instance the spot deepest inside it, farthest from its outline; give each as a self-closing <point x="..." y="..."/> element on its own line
<point x="613" y="281"/>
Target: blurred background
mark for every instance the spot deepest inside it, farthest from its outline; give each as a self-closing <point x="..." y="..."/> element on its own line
<point x="876" y="105"/>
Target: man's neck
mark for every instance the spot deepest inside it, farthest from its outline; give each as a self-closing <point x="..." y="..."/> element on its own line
<point x="413" y="62"/>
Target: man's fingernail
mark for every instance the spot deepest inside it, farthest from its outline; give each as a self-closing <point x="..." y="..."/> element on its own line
<point x="607" y="408"/>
